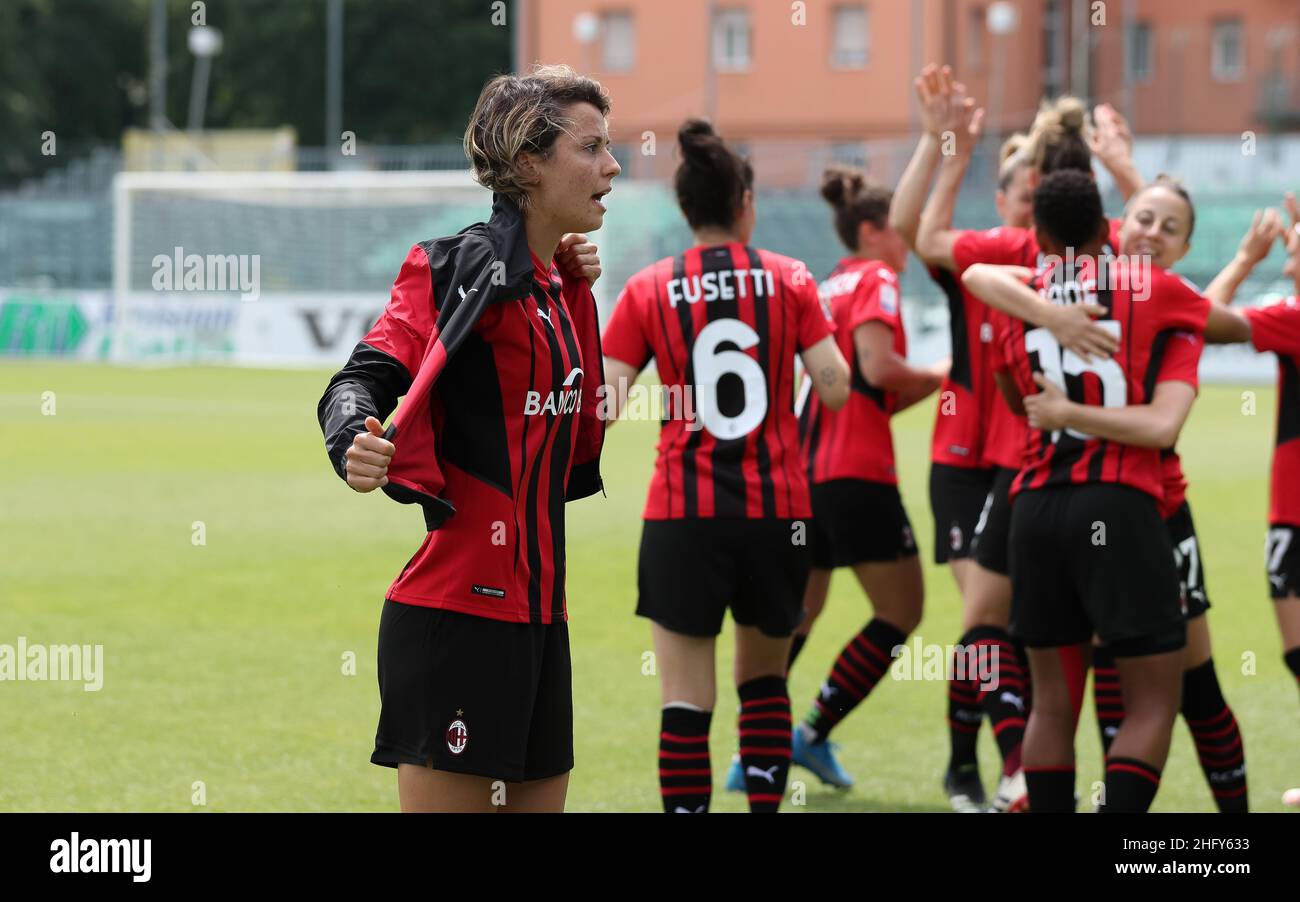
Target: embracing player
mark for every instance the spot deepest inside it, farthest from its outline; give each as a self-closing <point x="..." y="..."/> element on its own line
<point x="1089" y="552"/>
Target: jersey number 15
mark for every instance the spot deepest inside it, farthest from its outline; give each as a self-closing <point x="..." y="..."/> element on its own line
<point x="1056" y="363"/>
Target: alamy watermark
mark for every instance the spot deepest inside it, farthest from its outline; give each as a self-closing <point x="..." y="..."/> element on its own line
<point x="63" y="663"/>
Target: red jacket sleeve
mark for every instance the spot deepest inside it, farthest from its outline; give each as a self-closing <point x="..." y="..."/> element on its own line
<point x="1276" y="328"/>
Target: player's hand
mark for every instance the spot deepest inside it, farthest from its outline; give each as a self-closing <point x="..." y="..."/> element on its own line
<point x="577" y="256"/>
<point x="933" y="86"/>
<point x="1264" y="229"/>
<point x="1111" y="140"/>
<point x="368" y="458"/>
<point x="1049" y="408"/>
<point x="1075" y="330"/>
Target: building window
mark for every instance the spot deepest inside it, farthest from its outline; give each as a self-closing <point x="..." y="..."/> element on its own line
<point x="617" y="42"/>
<point x="1140" y="52"/>
<point x="731" y="40"/>
<point x="1227" y="51"/>
<point x="975" y="36"/>
<point x="850" y="39"/>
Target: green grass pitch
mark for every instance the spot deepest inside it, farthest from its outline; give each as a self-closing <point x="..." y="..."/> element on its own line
<point x="224" y="662"/>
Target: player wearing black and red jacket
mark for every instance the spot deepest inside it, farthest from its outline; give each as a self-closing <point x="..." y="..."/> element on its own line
<point x="727" y="515"/>
<point x="473" y="657"/>
<point x="1089" y="553"/>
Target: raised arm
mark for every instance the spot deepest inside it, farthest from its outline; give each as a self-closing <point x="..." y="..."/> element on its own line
<point x="1112" y="144"/>
<point x="935" y="235"/>
<point x="1265" y="228"/>
<point x="909" y="196"/>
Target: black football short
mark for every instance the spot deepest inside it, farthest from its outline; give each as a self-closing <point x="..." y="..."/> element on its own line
<point x="1187" y="557"/>
<point x="858" y="522"/>
<point x="957" y="497"/>
<point x="1091" y="559"/>
<point x="473" y="695"/>
<point x="690" y="571"/>
<point x="993" y="531"/>
<point x="1283" y="549"/>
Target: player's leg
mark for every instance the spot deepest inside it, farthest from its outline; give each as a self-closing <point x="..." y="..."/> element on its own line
<point x="768" y="605"/>
<point x="421" y="789"/>
<point x="544" y="796"/>
<point x="1152" y="688"/>
<point x="1048" y="750"/>
<point x="1004" y="698"/>
<point x="1288" y="623"/>
<point x="1126" y="574"/>
<point x="814" y="601"/>
<point x="687" y="693"/>
<point x="1213" y="725"/>
<point x="684" y="578"/>
<point x="960" y="500"/>
<point x="1107" y="700"/>
<point x="764" y="718"/>
<point x="1283" y="557"/>
<point x="1048" y="616"/>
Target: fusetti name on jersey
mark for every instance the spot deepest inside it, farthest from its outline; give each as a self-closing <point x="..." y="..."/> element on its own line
<point x="725" y="285"/>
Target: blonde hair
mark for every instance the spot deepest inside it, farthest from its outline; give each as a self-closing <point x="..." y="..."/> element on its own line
<point x="523" y="114"/>
<point x="1012" y="157"/>
<point x="1058" y="138"/>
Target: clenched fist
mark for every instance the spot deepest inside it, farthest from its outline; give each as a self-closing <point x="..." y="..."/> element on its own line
<point x="368" y="458"/>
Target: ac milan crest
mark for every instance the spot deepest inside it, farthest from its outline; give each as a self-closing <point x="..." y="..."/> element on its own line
<point x="457" y="737"/>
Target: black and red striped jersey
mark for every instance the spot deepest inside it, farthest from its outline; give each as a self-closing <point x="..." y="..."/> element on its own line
<point x="1003" y="432"/>
<point x="504" y="433"/>
<point x="1163" y="310"/>
<point x="723" y="324"/>
<point x="1276" y="328"/>
<point x="855" y="442"/>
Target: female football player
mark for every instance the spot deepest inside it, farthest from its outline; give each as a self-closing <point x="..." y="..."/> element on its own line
<point x="1071" y="577"/>
<point x="726" y="520"/>
<point x="978" y="441"/>
<point x="473" y="660"/>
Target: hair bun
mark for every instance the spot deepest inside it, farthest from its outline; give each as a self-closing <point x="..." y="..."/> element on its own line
<point x="840" y="184"/>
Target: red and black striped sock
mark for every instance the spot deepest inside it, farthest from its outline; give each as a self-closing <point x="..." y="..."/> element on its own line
<point x="795" y="647"/>
<point x="685" y="778"/>
<point x="765" y="741"/>
<point x="1217" y="737"/>
<point x="1130" y="786"/>
<point x="1106" y="696"/>
<point x="1002" y="694"/>
<point x="1292" y="658"/>
<point x="964" y="716"/>
<point x="860" y="666"/>
<point x="1051" y="789"/>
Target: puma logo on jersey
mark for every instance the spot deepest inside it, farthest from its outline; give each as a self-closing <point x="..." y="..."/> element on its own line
<point x="769" y="775"/>
<point x="464" y="294"/>
<point x="542" y="314"/>
<point x="566" y="400"/>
